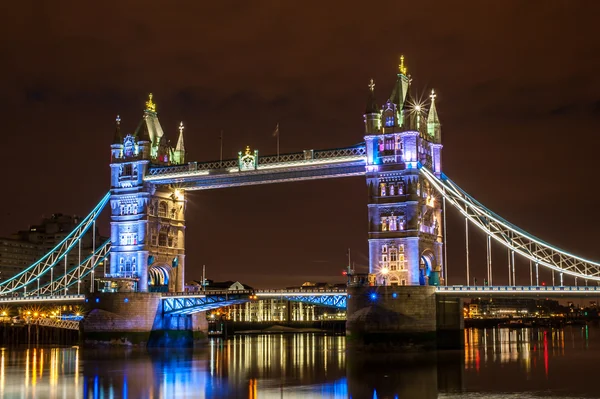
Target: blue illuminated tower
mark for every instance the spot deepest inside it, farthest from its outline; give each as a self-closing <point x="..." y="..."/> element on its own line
<point x="405" y="234"/>
<point x="147" y="221"/>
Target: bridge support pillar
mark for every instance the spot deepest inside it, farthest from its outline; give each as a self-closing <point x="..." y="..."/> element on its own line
<point x="136" y="318"/>
<point x="402" y="318"/>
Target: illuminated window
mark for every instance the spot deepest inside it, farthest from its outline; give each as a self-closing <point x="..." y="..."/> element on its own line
<point x="162" y="209"/>
<point x="384" y="224"/>
<point x="392" y="189"/>
<point x="389" y="120"/>
<point x="393" y="255"/>
<point x="392" y="223"/>
<point x="382" y="189"/>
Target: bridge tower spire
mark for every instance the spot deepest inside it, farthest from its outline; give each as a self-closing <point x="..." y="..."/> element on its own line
<point x="372" y="114"/>
<point x="405" y="235"/>
<point x="147" y="221"/>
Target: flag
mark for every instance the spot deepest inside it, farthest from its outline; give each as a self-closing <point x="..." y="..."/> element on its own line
<point x="276" y="131"/>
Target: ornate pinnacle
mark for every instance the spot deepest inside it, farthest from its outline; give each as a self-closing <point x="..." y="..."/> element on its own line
<point x="401" y="67"/>
<point x="247" y="150"/>
<point x="150" y="106"/>
<point x="432" y="95"/>
<point x="181" y="127"/>
<point x="372" y="85"/>
<point x="118" y="119"/>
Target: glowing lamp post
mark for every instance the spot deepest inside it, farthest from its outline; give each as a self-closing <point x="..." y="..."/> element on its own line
<point x="384" y="273"/>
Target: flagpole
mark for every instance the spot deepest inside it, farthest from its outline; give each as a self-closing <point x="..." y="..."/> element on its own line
<point x="221" y="152"/>
<point x="278" y="143"/>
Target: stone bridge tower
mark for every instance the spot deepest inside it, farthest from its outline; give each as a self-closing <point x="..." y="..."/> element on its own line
<point x="147" y="221"/>
<point x="405" y="223"/>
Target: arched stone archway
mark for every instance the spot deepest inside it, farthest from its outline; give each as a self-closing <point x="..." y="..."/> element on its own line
<point x="426" y="266"/>
<point x="159" y="277"/>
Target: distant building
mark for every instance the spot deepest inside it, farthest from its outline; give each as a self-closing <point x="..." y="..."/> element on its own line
<point x="272" y="309"/>
<point x="25" y="247"/>
<point x="196" y="286"/>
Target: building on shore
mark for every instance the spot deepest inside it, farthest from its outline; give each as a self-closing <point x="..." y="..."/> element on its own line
<point x="23" y="248"/>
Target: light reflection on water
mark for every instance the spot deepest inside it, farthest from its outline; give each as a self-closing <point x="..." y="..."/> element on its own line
<point x="498" y="363"/>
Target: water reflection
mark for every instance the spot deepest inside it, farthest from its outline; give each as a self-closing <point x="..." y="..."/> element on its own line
<point x="499" y="361"/>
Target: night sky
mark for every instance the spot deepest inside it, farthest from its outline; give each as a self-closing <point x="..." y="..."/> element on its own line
<point x="518" y="98"/>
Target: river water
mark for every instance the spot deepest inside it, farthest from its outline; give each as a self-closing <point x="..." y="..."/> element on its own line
<point x="496" y="363"/>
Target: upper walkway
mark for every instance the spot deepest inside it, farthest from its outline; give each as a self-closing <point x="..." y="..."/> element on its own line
<point x="305" y="165"/>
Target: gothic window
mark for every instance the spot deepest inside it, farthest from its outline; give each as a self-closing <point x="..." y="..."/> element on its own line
<point x="392" y="189"/>
<point x="128" y="146"/>
<point x="393" y="255"/>
<point x="128" y="265"/>
<point x="384" y="249"/>
<point x="151" y="208"/>
<point x="121" y="264"/>
<point x="403" y="282"/>
<point x="127" y="169"/>
<point x="401" y="261"/>
<point x="162" y="209"/>
<point x="162" y="238"/>
<point x="173" y="212"/>
<point x="400" y="188"/>
<point x="153" y="236"/>
<point x="122" y="209"/>
<point x="393" y="267"/>
<point x="389" y="120"/>
<point x="133" y="265"/>
<point x="134" y="209"/>
<point x="384" y="258"/>
<point x="398" y="143"/>
<point x="381" y="146"/>
<point x="401" y="223"/>
<point x="384" y="224"/>
<point x="382" y="189"/>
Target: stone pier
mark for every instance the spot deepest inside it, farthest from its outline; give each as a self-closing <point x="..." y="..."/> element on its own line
<point x="135" y="318"/>
<point x="402" y="318"/>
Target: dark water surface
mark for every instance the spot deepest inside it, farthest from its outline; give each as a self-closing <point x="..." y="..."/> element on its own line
<point x="496" y="363"/>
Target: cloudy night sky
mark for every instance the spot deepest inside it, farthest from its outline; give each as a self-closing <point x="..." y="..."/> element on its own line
<point x="518" y="97"/>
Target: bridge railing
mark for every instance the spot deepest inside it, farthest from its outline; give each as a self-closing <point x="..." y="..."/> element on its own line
<point x="302" y="291"/>
<point x="518" y="289"/>
<point x="206" y="293"/>
<point x="296" y="158"/>
<point x="41" y="298"/>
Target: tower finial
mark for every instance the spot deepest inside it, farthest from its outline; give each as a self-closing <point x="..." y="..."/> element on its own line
<point x="181" y="127"/>
<point x="432" y="95"/>
<point x="372" y="85"/>
<point x="401" y="67"/>
<point x="150" y="106"/>
<point x="118" y="120"/>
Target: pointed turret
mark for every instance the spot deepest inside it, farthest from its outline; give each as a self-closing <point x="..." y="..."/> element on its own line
<point x="398" y="96"/>
<point x="372" y="115"/>
<point x="118" y="138"/>
<point x="116" y="148"/>
<point x="179" y="151"/>
<point x="434" y="127"/>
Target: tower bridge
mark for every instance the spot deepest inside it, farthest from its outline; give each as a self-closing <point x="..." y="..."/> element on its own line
<point x="406" y="289"/>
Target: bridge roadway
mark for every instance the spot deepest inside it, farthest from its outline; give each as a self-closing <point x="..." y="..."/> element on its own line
<point x="192" y="302"/>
